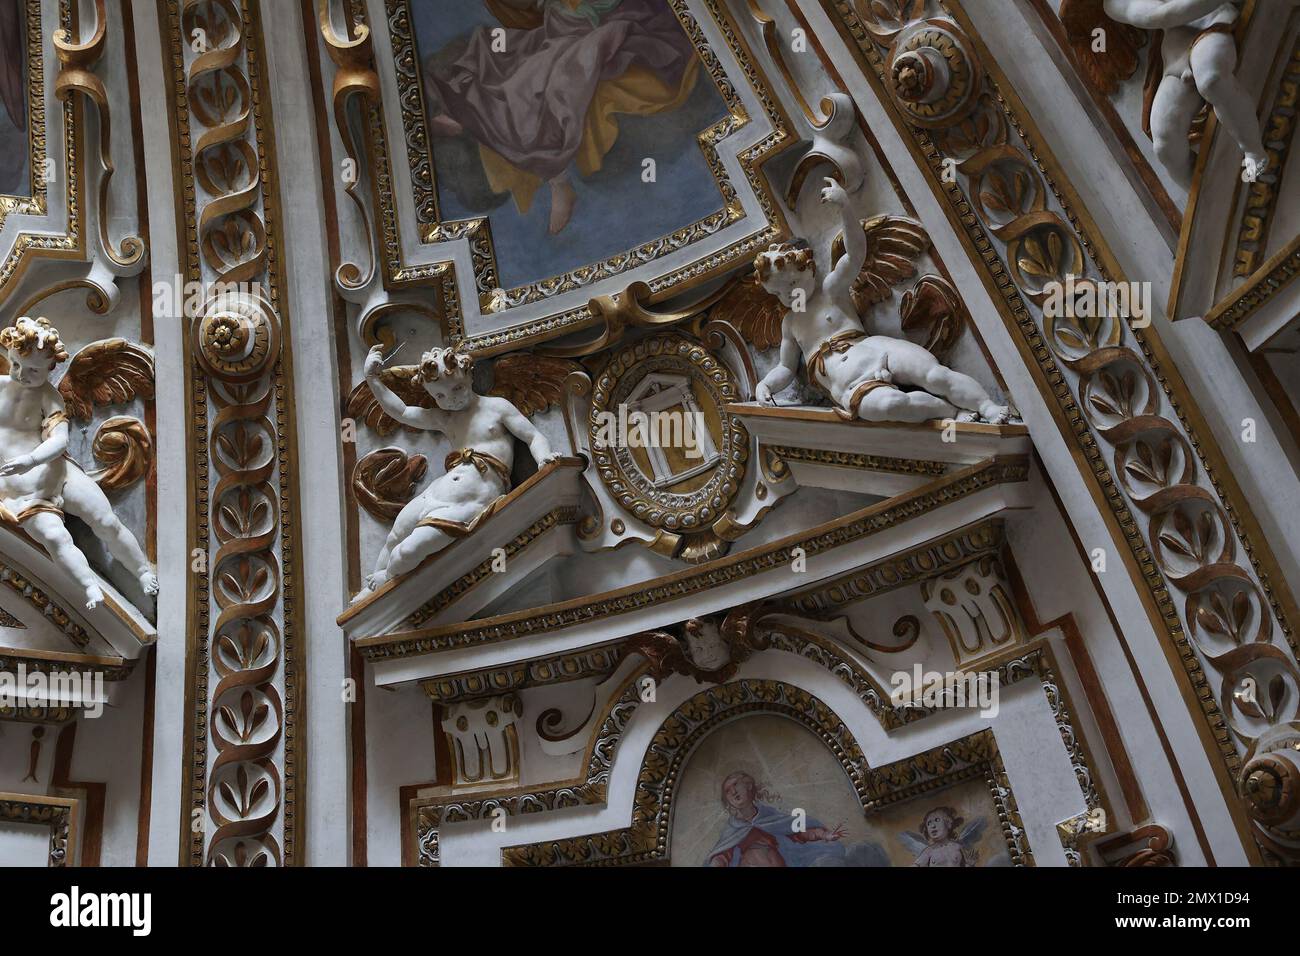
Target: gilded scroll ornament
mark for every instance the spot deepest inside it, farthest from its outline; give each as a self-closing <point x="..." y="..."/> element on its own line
<point x="124" y="447"/>
<point x="385" y="480"/>
<point x="77" y="61"/>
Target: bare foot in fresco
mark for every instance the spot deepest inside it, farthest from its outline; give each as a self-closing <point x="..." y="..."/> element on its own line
<point x="444" y="125"/>
<point x="563" y="199"/>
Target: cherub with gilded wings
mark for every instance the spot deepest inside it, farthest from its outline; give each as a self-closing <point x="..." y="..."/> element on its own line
<point x="870" y="377"/>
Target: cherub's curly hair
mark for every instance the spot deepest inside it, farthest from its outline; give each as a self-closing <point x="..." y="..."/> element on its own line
<point x="28" y="333"/>
<point x="436" y="363"/>
<point x="784" y="255"/>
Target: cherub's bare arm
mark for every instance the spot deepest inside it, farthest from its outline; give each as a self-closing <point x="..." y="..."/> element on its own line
<point x="785" y="370"/>
<point x="428" y="419"/>
<point x="839" y="282"/>
<point x="54" y="445"/>
<point x="519" y="426"/>
<point x="1159" y="14"/>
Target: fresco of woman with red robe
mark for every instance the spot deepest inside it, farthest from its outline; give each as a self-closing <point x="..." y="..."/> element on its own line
<point x="759" y="834"/>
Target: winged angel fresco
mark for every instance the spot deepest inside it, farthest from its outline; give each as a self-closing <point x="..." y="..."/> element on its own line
<point x="875" y="378"/>
<point x="39" y="481"/>
<point x="1192" y="63"/>
<point x="945" y="839"/>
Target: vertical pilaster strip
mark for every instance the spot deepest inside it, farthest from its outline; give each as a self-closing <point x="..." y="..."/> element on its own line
<point x="243" y="755"/>
<point x="1184" y="529"/>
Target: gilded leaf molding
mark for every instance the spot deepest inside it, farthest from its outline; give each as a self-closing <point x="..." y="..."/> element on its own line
<point x="244" y="671"/>
<point x="1170" y="498"/>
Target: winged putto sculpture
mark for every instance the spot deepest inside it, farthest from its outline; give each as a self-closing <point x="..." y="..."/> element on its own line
<point x="438" y="395"/>
<point x="1193" y="62"/>
<point x="39" y="482"/>
<point x="875" y="378"/>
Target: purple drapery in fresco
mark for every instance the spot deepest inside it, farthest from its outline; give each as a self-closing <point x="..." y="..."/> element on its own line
<point x="530" y="103"/>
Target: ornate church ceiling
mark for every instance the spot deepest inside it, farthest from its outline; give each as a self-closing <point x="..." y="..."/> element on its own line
<point x="623" y="432"/>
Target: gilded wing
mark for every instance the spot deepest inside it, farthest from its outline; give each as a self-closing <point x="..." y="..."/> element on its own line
<point x="753" y="311"/>
<point x="914" y="842"/>
<point x="1106" y="69"/>
<point x="935" y="309"/>
<point x="107" y="372"/>
<point x="400" y="379"/>
<point x="532" y="383"/>
<point x="894" y="243"/>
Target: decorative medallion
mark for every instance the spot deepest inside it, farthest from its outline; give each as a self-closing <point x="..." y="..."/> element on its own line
<point x="237" y="337"/>
<point x="933" y="74"/>
<point x="661" y="441"/>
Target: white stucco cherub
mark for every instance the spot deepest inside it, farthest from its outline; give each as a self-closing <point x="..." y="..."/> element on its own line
<point x="39" y="483"/>
<point x="1196" y="60"/>
<point x="877" y="378"/>
<point x="481" y="428"/>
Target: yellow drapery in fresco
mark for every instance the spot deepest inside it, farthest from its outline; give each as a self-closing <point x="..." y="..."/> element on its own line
<point x="637" y="92"/>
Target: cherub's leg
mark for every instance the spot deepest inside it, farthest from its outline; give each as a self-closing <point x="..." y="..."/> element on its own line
<point x="85" y="499"/>
<point x="407" y="519"/>
<point x="1214" y="62"/>
<point x="417" y="546"/>
<point x="48" y="529"/>
<point x="1172" y="112"/>
<point x="964" y="392"/>
<point x="888" y="404"/>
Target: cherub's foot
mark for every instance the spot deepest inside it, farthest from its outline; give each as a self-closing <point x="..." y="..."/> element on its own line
<point x="995" y="414"/>
<point x="966" y="415"/>
<point x="375" y="581"/>
<point x="149" y="582"/>
<point x="1256" y="165"/>
<point x="563" y="199"/>
<point x="93" y="596"/>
